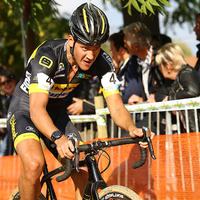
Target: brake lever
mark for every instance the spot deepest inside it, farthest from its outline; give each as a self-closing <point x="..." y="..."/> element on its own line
<point x="147" y="133"/>
<point x="76" y="158"/>
<point x="75" y="142"/>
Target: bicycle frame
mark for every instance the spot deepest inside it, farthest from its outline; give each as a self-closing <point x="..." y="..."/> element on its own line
<point x="94" y="181"/>
<point x="47" y="178"/>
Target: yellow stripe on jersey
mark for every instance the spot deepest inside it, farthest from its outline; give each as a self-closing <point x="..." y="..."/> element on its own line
<point x="60" y="87"/>
<point x="25" y="136"/>
<point x="85" y="20"/>
<point x="34" y="52"/>
<point x="108" y="93"/>
<point x="34" y="88"/>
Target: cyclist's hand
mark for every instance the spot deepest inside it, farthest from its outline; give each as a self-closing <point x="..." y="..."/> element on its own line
<point x="138" y="132"/>
<point x="65" y="147"/>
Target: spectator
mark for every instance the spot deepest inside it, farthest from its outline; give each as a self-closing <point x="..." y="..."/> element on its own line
<point x="138" y="42"/>
<point x="81" y="100"/>
<point x="127" y="73"/>
<point x="170" y="59"/>
<point x="8" y="81"/>
<point x="159" y="40"/>
<point x="197" y="31"/>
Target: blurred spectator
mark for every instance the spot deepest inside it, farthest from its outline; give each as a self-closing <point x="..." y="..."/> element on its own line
<point x="138" y="42"/>
<point x="127" y="74"/>
<point x="8" y="81"/>
<point x="81" y="99"/>
<point x="159" y="40"/>
<point x="170" y="59"/>
<point x="197" y="31"/>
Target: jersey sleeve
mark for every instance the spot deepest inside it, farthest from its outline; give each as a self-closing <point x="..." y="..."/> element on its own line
<point x="110" y="84"/>
<point x="107" y="75"/>
<point x="43" y="68"/>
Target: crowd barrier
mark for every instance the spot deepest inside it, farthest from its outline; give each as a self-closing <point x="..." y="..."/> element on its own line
<point x="173" y="175"/>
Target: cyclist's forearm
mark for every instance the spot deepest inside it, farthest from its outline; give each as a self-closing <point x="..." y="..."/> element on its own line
<point x="123" y="119"/>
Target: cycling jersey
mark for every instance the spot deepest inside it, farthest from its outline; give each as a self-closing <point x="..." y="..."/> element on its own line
<point x="47" y="71"/>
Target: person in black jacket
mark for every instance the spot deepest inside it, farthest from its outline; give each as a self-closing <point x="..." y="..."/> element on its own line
<point x="197" y="31"/>
<point x="139" y="43"/>
<point x="170" y="59"/>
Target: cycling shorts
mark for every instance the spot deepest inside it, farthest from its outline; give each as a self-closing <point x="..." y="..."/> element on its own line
<point x="21" y="127"/>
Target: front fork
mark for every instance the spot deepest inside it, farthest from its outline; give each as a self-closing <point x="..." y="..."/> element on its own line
<point x="95" y="180"/>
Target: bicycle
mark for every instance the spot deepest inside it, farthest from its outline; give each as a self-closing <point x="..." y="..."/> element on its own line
<point x="95" y="180"/>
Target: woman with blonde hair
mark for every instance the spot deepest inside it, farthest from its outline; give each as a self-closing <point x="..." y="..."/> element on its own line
<point x="170" y="59"/>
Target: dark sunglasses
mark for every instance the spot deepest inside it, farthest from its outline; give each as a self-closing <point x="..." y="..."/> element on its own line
<point x="6" y="82"/>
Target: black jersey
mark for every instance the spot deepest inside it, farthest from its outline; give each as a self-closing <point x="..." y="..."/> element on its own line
<point x="48" y="68"/>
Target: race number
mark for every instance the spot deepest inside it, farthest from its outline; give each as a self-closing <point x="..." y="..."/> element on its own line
<point x="44" y="81"/>
<point x="110" y="82"/>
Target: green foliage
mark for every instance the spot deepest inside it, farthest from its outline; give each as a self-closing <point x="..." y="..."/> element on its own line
<point x="46" y="26"/>
<point x="39" y="10"/>
<point x="143" y="5"/>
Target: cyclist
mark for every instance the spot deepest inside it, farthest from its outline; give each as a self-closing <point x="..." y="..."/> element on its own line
<point x="54" y="69"/>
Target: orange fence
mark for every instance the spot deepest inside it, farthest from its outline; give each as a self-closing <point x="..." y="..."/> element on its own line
<point x="175" y="174"/>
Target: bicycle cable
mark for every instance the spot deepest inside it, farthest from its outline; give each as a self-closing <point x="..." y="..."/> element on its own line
<point x="107" y="157"/>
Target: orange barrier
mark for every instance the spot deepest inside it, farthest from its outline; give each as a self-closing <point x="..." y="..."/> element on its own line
<point x="173" y="175"/>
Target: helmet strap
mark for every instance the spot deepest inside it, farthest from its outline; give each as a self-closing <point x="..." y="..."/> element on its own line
<point x="72" y="50"/>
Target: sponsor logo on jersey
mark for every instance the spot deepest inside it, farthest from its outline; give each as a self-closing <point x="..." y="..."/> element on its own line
<point x="83" y="76"/>
<point x="108" y="60"/>
<point x="59" y="75"/>
<point x="61" y="67"/>
<point x="25" y="85"/>
<point x="45" y="61"/>
<point x="12" y="123"/>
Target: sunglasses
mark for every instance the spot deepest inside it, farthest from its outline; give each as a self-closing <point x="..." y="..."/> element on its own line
<point x="6" y="82"/>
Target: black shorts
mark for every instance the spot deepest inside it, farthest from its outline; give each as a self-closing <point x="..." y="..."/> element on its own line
<point x="21" y="127"/>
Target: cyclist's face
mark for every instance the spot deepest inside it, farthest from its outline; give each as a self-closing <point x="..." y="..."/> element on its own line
<point x="85" y="55"/>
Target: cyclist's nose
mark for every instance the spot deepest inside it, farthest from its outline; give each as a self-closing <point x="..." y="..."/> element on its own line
<point x="90" y="55"/>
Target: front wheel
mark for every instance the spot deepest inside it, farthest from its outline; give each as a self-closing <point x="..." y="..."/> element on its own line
<point x="117" y="192"/>
<point x="16" y="196"/>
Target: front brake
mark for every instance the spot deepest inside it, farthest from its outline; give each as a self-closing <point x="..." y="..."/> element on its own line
<point x="147" y="133"/>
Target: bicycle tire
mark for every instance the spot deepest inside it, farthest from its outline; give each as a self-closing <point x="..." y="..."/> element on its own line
<point x="16" y="196"/>
<point x="118" y="192"/>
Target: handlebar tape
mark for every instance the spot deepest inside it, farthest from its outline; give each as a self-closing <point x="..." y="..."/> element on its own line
<point x="142" y="159"/>
<point x="68" y="171"/>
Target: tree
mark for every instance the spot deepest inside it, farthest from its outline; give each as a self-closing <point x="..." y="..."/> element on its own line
<point x="183" y="11"/>
<point x="42" y="27"/>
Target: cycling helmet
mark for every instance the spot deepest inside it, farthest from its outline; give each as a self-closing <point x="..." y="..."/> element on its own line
<point x="89" y="25"/>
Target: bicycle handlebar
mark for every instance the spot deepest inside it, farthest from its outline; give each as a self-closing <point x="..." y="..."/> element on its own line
<point x="97" y="145"/>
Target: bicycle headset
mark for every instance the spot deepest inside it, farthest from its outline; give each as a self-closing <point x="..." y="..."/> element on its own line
<point x="89" y="25"/>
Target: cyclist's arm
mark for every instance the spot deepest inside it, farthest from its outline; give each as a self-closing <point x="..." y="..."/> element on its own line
<point x="121" y="116"/>
<point x="42" y="120"/>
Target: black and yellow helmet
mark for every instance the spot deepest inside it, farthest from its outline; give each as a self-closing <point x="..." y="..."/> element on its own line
<point x="89" y="25"/>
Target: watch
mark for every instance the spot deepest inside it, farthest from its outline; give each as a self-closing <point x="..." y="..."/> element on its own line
<point x="56" y="135"/>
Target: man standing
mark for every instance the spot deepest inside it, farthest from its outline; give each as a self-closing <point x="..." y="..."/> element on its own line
<point x="138" y="42"/>
<point x="197" y="31"/>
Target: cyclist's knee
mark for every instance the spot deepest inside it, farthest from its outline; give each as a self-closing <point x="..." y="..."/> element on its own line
<point x="33" y="169"/>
